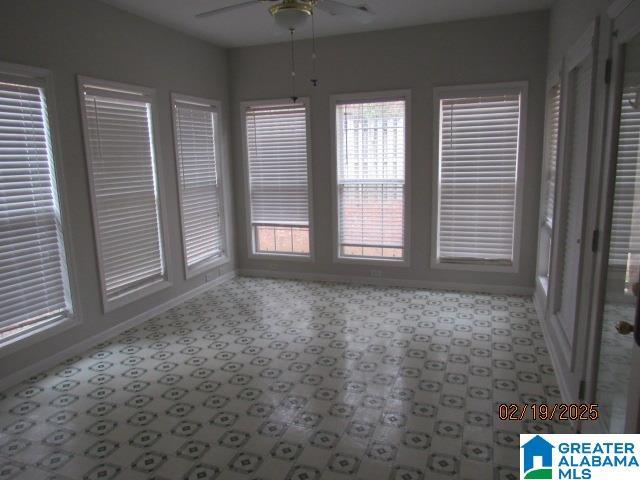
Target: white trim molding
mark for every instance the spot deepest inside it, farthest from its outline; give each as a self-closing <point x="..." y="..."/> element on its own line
<point x="390" y="282"/>
<point x="141" y="94"/>
<point x="439" y="93"/>
<point x="86" y="344"/>
<point x="362" y="97"/>
<point x="251" y="241"/>
<point x="43" y="79"/>
<point x="221" y="165"/>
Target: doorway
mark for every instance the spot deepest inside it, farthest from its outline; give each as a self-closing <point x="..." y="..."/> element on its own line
<point x="617" y="390"/>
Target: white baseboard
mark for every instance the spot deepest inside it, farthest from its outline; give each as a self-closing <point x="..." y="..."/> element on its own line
<point x="391" y="282"/>
<point x="83" y="346"/>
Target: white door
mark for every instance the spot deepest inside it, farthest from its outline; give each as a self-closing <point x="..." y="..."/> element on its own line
<point x="617" y="373"/>
<point x="569" y="245"/>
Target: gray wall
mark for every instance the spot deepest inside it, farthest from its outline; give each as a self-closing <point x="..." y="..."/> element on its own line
<point x="85" y="37"/>
<point x="497" y="49"/>
<point x="568" y="20"/>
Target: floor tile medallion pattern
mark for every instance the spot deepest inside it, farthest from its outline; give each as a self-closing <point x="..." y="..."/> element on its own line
<point x="276" y="379"/>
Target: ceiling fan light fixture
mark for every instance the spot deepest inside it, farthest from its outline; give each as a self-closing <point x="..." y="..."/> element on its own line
<point x="291" y="14"/>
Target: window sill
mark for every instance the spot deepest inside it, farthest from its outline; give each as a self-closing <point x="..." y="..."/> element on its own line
<point x="133" y="295"/>
<point x="474" y="266"/>
<point x="379" y="262"/>
<point x="205" y="266"/>
<point x="281" y="256"/>
<point x="35" y="334"/>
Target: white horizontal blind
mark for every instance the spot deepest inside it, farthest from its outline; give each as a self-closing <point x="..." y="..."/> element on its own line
<point x="125" y="197"/>
<point x="370" y="143"/>
<point x="278" y="172"/>
<point x="625" y="236"/>
<point x="477" y="177"/>
<point x="200" y="192"/>
<point x="33" y="276"/>
<point x="553" y="127"/>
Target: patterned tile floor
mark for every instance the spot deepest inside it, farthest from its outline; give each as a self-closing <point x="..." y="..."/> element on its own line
<point x="615" y="364"/>
<point x="273" y="379"/>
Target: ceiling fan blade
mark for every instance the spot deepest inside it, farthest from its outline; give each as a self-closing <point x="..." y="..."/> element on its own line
<point x="362" y="14"/>
<point x="229" y="8"/>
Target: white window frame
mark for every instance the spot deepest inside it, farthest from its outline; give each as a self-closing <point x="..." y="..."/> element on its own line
<point x="363" y="97"/>
<point x="221" y="167"/>
<point x="251" y="241"/>
<point x="581" y="51"/>
<point x="138" y="93"/>
<point x="441" y="93"/>
<point x="546" y="231"/>
<point x="43" y="78"/>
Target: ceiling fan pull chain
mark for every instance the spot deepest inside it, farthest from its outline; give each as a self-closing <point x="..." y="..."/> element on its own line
<point x="314" y="55"/>
<point x="293" y="68"/>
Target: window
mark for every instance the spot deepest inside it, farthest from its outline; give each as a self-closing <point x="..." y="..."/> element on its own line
<point x="117" y="121"/>
<point x="552" y="126"/>
<point x="370" y="156"/>
<point x="278" y="171"/>
<point x="625" y="236"/>
<point x="551" y="142"/>
<point x="196" y="125"/>
<point x="479" y="154"/>
<point x="34" y="284"/>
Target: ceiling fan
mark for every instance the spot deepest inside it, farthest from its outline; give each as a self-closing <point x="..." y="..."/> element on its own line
<point x="292" y="13"/>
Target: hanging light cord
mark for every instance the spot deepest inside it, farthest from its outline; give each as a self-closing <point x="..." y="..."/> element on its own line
<point x="293" y="68"/>
<point x="314" y="55"/>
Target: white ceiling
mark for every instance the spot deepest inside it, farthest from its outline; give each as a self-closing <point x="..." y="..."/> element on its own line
<point x="253" y="25"/>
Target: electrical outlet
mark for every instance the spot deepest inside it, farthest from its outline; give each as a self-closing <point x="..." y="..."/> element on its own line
<point x="375" y="273"/>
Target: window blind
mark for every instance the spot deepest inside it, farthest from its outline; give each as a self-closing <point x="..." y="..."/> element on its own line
<point x="370" y="143"/>
<point x="553" y="128"/>
<point x="120" y="154"/>
<point x="625" y="235"/>
<point x="33" y="276"/>
<point x="478" y="162"/>
<point x="276" y="137"/>
<point x="200" y="193"/>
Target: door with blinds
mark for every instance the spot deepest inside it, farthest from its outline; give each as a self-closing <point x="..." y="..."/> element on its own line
<point x="123" y="176"/>
<point x="277" y="178"/>
<point x="570" y="238"/>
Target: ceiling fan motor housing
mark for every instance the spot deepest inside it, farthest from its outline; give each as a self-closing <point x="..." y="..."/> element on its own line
<point x="291" y="14"/>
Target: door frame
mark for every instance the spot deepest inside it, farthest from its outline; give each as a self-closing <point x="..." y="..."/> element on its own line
<point x="621" y="27"/>
<point x="568" y="354"/>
